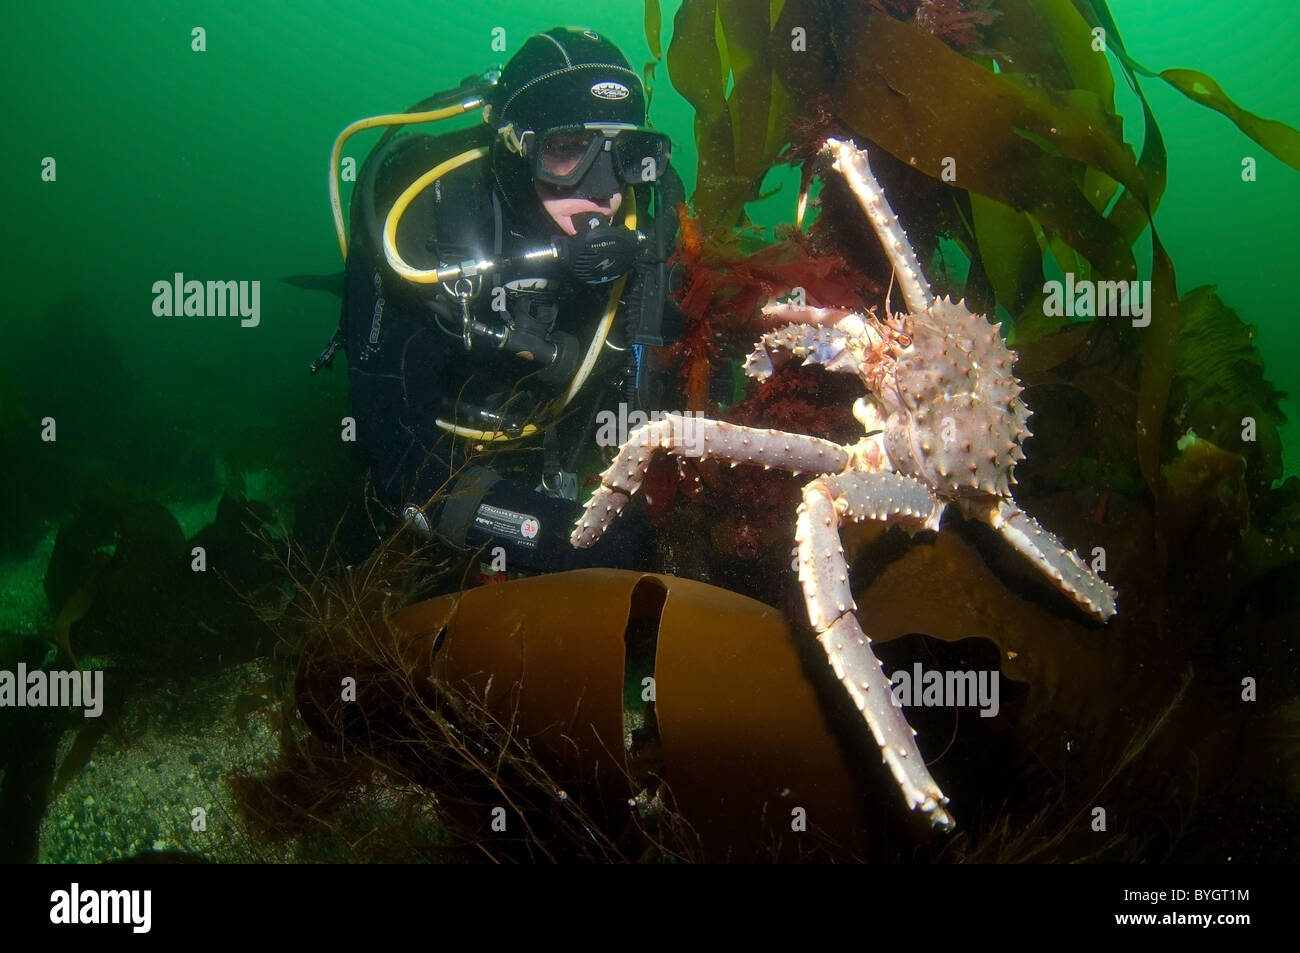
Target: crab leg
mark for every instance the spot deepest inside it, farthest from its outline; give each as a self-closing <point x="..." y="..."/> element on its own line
<point x="824" y="576"/>
<point x="816" y="345"/>
<point x="1048" y="554"/>
<point x="891" y="497"/>
<point x="701" y="438"/>
<point x="852" y="163"/>
<point x="803" y="314"/>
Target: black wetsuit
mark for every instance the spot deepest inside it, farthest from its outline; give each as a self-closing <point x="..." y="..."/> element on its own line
<point x="408" y="366"/>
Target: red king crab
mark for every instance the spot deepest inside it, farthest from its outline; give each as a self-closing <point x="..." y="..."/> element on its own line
<point x="944" y="424"/>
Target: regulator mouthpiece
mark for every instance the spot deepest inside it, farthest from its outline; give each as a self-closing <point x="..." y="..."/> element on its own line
<point x="601" y="252"/>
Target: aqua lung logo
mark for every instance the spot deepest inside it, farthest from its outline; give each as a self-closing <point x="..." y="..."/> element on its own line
<point x="611" y="91"/>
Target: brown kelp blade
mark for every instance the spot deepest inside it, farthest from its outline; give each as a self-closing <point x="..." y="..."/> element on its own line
<point x="744" y="749"/>
<point x="1007" y="143"/>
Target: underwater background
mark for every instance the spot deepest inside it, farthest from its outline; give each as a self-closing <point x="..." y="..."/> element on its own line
<point x="214" y="164"/>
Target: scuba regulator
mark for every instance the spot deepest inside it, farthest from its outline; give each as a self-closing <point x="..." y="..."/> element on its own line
<point x="598" y="254"/>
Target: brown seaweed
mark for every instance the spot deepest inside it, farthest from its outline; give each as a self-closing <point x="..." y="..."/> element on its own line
<point x="1027" y="115"/>
<point x="740" y="736"/>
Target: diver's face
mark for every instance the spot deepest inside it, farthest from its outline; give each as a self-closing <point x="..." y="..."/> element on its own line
<point x="564" y="207"/>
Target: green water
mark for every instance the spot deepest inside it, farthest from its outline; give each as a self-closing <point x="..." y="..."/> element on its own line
<point x="213" y="164"/>
<point x="1218" y="229"/>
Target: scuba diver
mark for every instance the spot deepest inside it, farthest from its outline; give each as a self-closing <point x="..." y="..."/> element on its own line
<point x="503" y="284"/>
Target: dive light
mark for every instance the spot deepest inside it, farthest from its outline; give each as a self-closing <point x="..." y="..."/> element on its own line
<point x="600" y="254"/>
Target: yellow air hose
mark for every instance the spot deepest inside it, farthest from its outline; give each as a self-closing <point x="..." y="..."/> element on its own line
<point x="388" y="119"/>
<point x="429" y="276"/>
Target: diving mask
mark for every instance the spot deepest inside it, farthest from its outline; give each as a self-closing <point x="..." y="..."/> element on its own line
<point x="562" y="157"/>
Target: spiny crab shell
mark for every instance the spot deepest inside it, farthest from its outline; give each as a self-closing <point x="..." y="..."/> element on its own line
<point x="956" y="419"/>
<point x="953" y="416"/>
